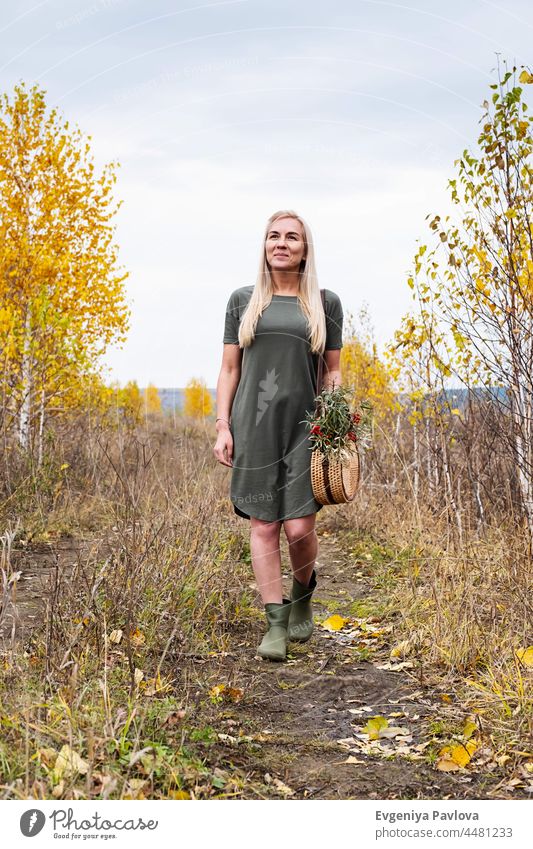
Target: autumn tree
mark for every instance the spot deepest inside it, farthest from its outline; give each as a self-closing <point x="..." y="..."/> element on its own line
<point x="152" y="401"/>
<point x="198" y="401"/>
<point x="475" y="285"/>
<point x="62" y="302"/>
<point x="417" y="360"/>
<point x="363" y="369"/>
<point x="130" y="402"/>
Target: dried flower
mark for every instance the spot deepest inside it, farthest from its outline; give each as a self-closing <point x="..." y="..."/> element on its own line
<point x="335" y="431"/>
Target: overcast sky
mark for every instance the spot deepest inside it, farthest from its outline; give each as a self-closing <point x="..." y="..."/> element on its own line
<point x="351" y="112"/>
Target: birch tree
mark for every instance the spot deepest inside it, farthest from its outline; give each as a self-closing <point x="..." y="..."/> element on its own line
<point x="62" y="301"/>
<point x="477" y="281"/>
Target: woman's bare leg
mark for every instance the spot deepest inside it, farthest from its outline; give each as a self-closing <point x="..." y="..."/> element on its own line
<point x="266" y="559"/>
<point x="303" y="546"/>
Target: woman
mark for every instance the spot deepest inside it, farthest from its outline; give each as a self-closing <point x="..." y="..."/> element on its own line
<point x="274" y="333"/>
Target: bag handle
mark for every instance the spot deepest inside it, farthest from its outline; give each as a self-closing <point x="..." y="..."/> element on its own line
<point x="320" y="372"/>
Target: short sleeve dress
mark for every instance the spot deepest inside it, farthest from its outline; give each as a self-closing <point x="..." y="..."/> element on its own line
<point x="271" y="473"/>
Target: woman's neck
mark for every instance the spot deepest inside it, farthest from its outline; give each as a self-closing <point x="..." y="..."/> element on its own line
<point x="285" y="283"/>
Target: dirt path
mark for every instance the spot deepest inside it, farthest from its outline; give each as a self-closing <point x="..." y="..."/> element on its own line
<point x="296" y="722"/>
<point x="23" y="605"/>
<point x="294" y="729"/>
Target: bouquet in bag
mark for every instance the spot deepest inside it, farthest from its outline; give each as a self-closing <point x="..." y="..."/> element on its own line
<point x="335" y="430"/>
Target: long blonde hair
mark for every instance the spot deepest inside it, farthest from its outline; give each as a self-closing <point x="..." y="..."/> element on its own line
<point x="308" y="295"/>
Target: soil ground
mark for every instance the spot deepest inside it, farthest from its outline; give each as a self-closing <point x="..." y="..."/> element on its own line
<point x="289" y="729"/>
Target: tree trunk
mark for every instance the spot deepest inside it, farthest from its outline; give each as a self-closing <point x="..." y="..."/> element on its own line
<point x="452" y="503"/>
<point x="523" y="453"/>
<point x="416" y="469"/>
<point x="41" y="430"/>
<point x="25" y="410"/>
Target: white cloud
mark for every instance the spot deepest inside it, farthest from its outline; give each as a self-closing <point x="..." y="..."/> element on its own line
<point x="350" y="113"/>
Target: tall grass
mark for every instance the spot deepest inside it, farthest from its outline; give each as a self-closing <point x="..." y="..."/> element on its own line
<point x="165" y="580"/>
<point x="460" y="584"/>
<point x="104" y="698"/>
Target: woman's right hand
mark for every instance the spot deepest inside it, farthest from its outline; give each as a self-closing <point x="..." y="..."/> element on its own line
<point x="223" y="447"/>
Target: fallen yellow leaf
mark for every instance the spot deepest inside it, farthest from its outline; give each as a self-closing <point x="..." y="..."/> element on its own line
<point x="401" y="649"/>
<point x="334" y="623"/>
<point x="158" y="685"/>
<point x="179" y="794"/>
<point x="137" y="638"/>
<point x="463" y="754"/>
<point x="374" y="726"/>
<point x="525" y="656"/>
<point x="469" y="728"/>
<point x="459" y="755"/>
<point x="235" y="694"/>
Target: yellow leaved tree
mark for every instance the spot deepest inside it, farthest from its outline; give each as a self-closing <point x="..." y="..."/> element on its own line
<point x="198" y="401"/>
<point x="130" y="401"/>
<point x="152" y="401"/>
<point x="363" y="370"/>
<point x="473" y="288"/>
<point x="62" y="300"/>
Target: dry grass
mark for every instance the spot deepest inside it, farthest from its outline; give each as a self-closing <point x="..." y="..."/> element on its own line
<point x="465" y="611"/>
<point x="167" y="579"/>
<point x="108" y="672"/>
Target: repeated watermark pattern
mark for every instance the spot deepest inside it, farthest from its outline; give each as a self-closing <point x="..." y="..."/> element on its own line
<point x="253" y="498"/>
<point x="186" y="72"/>
<point x="88" y="12"/>
<point x="268" y="388"/>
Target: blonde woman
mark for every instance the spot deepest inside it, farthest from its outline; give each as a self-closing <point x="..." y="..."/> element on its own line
<point x="274" y="333"/>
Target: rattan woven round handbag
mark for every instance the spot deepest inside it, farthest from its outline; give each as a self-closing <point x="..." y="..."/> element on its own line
<point x="333" y="481"/>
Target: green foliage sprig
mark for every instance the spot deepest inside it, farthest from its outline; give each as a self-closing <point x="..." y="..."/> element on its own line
<point x="336" y="431"/>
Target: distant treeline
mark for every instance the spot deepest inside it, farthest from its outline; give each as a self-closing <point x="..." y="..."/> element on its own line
<point x="173" y="399"/>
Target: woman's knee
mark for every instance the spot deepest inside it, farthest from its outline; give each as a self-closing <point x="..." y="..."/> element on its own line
<point x="265" y="530"/>
<point x="300" y="531"/>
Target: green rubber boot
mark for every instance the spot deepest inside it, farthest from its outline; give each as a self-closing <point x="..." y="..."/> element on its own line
<point x="274" y="643"/>
<point x="301" y="616"/>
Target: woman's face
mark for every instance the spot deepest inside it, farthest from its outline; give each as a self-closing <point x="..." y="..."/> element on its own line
<point x="284" y="246"/>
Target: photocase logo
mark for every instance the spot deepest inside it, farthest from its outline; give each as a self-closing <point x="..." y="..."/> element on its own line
<point x="268" y="387"/>
<point x="32" y="822"/>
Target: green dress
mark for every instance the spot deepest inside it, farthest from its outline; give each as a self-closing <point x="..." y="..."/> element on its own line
<point x="271" y="473"/>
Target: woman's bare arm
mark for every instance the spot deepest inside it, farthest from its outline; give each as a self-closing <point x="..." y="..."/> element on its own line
<point x="332" y="370"/>
<point x="228" y="381"/>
